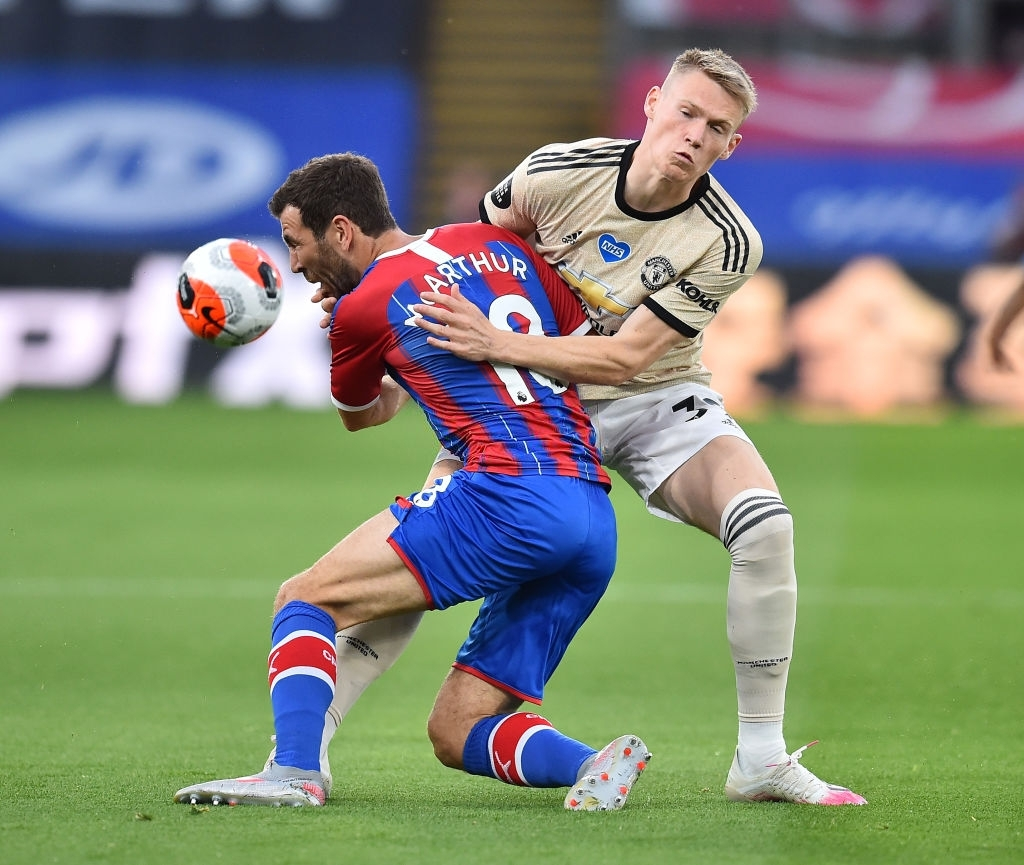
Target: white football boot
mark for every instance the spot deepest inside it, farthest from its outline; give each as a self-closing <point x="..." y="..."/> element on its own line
<point x="605" y="781"/>
<point x="281" y="785"/>
<point x="787" y="781"/>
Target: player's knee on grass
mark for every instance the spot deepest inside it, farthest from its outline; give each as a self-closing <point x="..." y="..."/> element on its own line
<point x="463" y="701"/>
<point x="447" y="736"/>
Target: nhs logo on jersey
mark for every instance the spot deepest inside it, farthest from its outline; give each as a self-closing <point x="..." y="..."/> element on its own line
<point x="612" y="250"/>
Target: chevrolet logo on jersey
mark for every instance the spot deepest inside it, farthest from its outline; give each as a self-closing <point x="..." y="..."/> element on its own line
<point x="596" y="296"/>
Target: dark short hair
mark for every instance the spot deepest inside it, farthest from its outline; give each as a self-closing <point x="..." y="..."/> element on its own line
<point x="339" y="183"/>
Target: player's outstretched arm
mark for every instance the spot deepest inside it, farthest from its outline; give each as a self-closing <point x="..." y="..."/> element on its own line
<point x="458" y="326"/>
<point x="1004" y="318"/>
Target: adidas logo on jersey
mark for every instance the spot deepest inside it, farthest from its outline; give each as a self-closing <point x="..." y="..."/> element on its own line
<point x="571" y="238"/>
<point x="501" y="197"/>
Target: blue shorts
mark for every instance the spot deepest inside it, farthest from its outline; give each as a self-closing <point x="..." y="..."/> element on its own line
<point x="540" y="551"/>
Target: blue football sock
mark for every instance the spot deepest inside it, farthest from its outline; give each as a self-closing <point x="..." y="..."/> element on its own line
<point x="303" y="671"/>
<point x="523" y="749"/>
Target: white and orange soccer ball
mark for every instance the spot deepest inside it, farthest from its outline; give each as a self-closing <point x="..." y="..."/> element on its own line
<point x="229" y="292"/>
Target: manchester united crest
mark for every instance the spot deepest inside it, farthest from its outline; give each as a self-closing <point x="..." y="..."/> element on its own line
<point x="656" y="272"/>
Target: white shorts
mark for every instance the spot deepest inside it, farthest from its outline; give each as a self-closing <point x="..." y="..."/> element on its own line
<point x="647" y="437"/>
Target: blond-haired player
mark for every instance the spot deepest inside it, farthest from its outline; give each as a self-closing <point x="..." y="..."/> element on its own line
<point x="653" y="246"/>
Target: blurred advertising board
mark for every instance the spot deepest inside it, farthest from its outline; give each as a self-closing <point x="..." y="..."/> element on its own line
<point x="240" y="32"/>
<point x="130" y="337"/>
<point x="142" y="156"/>
<point x="869" y="339"/>
<point x="842" y="159"/>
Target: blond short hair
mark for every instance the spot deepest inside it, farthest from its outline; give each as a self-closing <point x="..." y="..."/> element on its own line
<point x="721" y="69"/>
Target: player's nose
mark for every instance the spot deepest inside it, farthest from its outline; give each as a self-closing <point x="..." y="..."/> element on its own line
<point x="695" y="135"/>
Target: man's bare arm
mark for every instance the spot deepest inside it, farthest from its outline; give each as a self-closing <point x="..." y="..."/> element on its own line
<point x="460" y="327"/>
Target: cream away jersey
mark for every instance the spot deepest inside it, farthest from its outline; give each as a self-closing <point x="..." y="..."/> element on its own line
<point x="682" y="264"/>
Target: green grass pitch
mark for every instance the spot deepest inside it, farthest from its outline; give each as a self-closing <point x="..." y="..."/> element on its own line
<point x="140" y="549"/>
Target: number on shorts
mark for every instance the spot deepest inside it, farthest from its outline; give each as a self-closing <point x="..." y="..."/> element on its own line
<point x="426" y="498"/>
<point x="694" y="406"/>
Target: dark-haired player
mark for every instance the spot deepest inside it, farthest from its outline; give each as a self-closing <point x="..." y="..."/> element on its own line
<point x="526" y="524"/>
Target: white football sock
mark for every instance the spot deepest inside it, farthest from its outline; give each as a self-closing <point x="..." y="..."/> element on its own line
<point x="757" y="529"/>
<point x="759" y="745"/>
<point x="365" y="652"/>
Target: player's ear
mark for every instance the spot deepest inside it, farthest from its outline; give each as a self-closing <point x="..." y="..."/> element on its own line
<point x="341" y="231"/>
<point x="651" y="101"/>
<point x="734" y="142"/>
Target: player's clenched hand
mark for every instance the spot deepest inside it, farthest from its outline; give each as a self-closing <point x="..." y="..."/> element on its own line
<point x="323" y="296"/>
<point x="456" y="325"/>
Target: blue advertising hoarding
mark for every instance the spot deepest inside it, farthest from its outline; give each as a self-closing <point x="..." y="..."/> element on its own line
<point x="137" y="157"/>
<point x="818" y="209"/>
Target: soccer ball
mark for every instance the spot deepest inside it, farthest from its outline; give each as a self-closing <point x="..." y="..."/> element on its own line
<point x="229" y="292"/>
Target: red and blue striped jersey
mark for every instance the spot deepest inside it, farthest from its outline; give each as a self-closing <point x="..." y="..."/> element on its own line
<point x="495" y="417"/>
